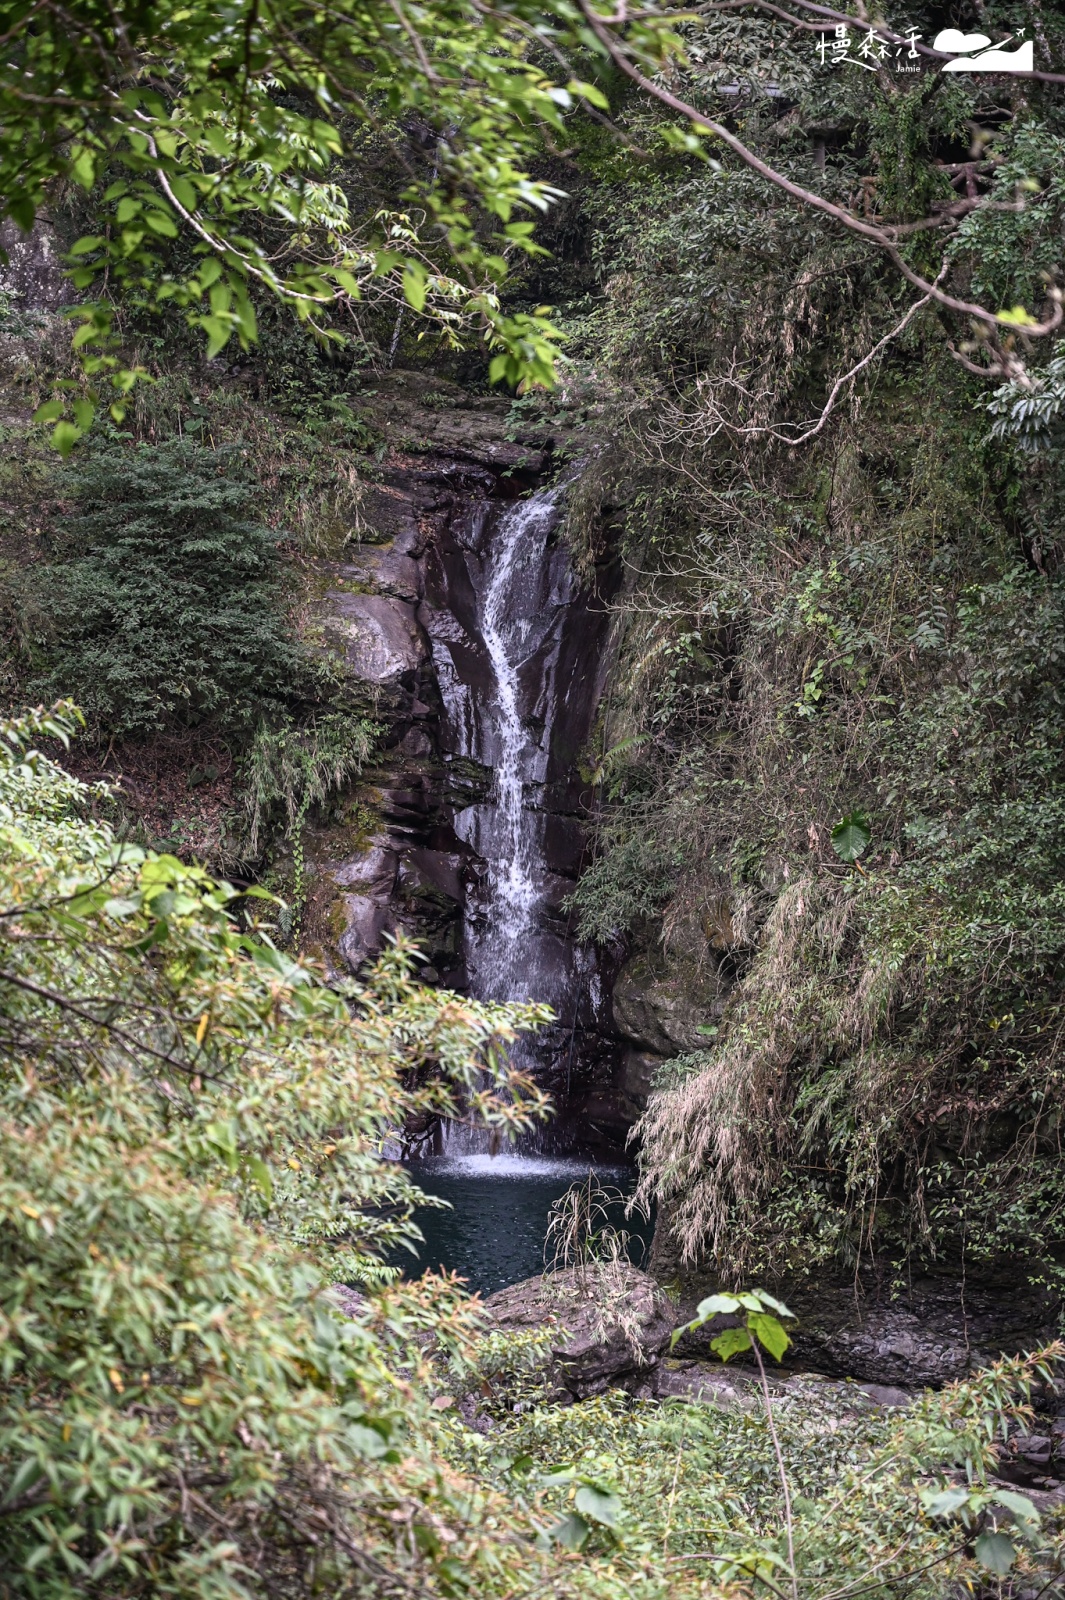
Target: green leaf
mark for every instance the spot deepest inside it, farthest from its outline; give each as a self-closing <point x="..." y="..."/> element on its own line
<point x="22" y="212"/>
<point x="367" y="1441"/>
<point x="1017" y="317"/>
<point x="995" y="1552"/>
<point x="1019" y="1504"/>
<point x="184" y="192"/>
<point x="588" y="91"/>
<point x="731" y="1342"/>
<point x="83" y="167"/>
<point x="262" y="1177"/>
<point x="716" y="1305"/>
<point x="944" y="1502"/>
<point x="49" y="412"/>
<point x="414" y="285"/>
<point x="851" y="836"/>
<point x="571" y="1532"/>
<point x="65" y="436"/>
<point x="769" y="1332"/>
<point x="775" y="1305"/>
<point x="602" y="1505"/>
<point x="161" y="223"/>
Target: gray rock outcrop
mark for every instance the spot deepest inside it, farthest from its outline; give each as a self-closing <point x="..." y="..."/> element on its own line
<point x="612" y="1324"/>
<point x="661" y="1002"/>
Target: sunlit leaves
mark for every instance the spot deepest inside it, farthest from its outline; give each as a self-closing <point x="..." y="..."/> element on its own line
<point x="196" y="125"/>
<point x="168" y="1079"/>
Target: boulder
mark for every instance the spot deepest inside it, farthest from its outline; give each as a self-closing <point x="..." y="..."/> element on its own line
<point x="367" y="883"/>
<point x="376" y="634"/>
<point x="928" y="1331"/>
<point x="613" y="1323"/>
<point x="32" y="271"/>
<point x="661" y="1002"/>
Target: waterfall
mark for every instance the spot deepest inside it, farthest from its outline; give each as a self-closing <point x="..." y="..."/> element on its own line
<point x="501" y="940"/>
<point x="517" y="647"/>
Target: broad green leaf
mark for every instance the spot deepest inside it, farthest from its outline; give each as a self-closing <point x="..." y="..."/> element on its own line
<point x="588" y="91"/>
<point x="731" y="1342"/>
<point x="571" y="1532"/>
<point x="414" y="286"/>
<point x="1018" y="317"/>
<point x="944" y="1502"/>
<point x="775" y="1305"/>
<point x="716" y="1305"/>
<point x="367" y="1441"/>
<point x="769" y="1332"/>
<point x="851" y="836"/>
<point x="995" y="1552"/>
<point x="602" y="1505"/>
<point x="83" y="167"/>
<point x="1019" y="1504"/>
<point x="65" y="436"/>
<point x="262" y="1177"/>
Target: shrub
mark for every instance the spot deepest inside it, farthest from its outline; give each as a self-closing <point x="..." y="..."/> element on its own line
<point x="163" y="605"/>
<point x="190" y="1136"/>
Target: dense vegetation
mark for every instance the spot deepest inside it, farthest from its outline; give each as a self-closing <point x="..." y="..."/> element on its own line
<point x="829" y="761"/>
<point x="159" y="604"/>
<point x="190" y="1134"/>
<point x="845" y="602"/>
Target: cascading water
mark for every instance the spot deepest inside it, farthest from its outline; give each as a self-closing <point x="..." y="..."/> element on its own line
<point x="517" y="647"/>
<point x="501" y="935"/>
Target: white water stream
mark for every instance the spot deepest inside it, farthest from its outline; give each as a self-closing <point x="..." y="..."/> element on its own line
<point x="501" y="940"/>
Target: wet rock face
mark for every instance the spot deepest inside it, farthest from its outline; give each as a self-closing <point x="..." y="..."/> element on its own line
<point x="378" y="638"/>
<point x="931" y="1332"/>
<point x="420" y="619"/>
<point x="610" y="1325"/>
<point x="661" y="1001"/>
<point x="33" y="273"/>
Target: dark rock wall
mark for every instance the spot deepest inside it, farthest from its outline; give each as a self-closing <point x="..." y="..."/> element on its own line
<point x="402" y="616"/>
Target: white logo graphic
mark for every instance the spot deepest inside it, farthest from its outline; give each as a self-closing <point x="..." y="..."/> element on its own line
<point x="993" y="58"/>
<point x="973" y="52"/>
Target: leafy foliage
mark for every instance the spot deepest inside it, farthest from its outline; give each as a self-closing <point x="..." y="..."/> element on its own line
<point x="889" y="1502"/>
<point x="229" y="154"/>
<point x="762" y="1324"/>
<point x="164" y="604"/>
<point x="853" y="641"/>
<point x="190" y="1128"/>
